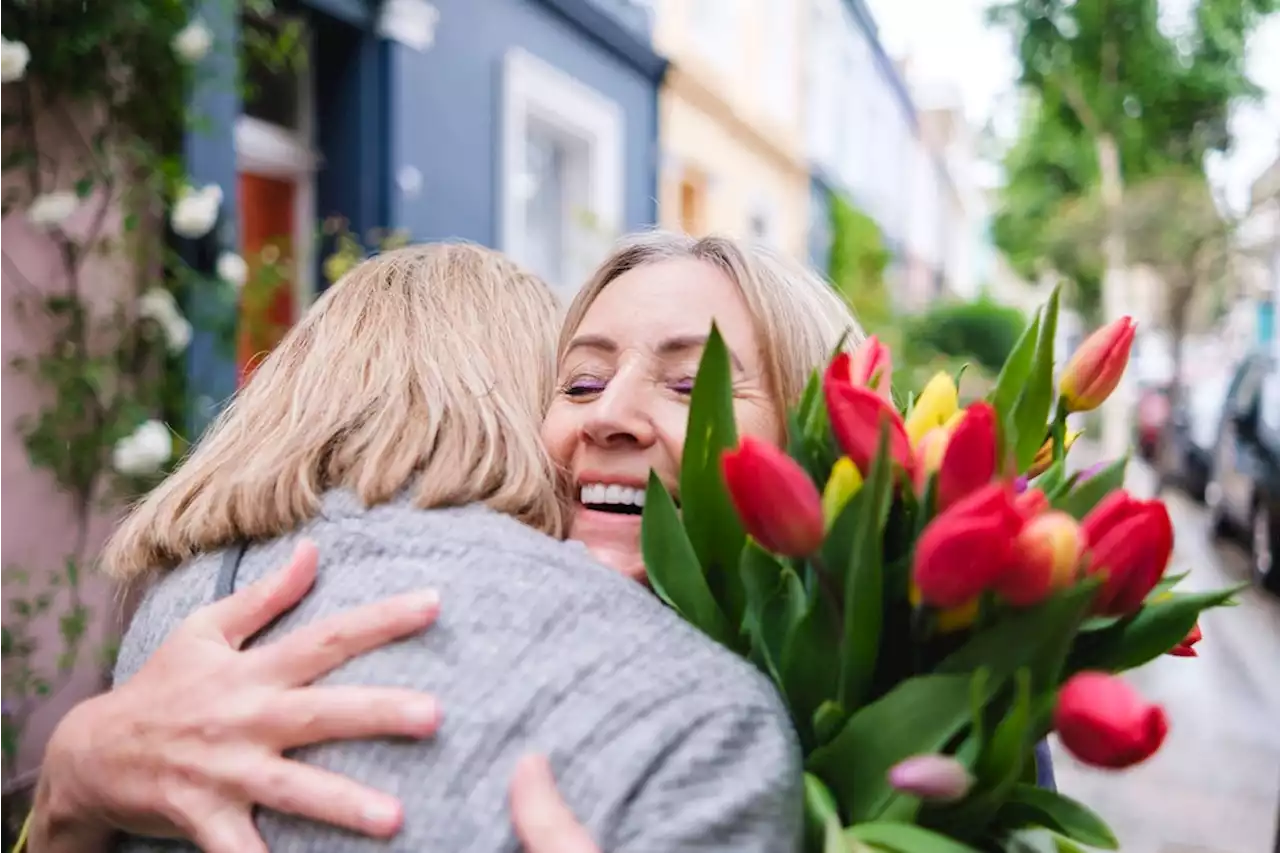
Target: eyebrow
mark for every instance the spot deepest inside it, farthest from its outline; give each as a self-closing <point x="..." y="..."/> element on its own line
<point x="670" y="346"/>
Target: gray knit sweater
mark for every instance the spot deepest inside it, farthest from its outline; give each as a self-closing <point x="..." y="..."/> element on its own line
<point x="660" y="739"/>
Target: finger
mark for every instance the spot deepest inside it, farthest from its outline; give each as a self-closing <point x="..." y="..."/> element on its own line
<point x="309" y="652"/>
<point x="292" y="787"/>
<point x="318" y="714"/>
<point x="229" y="831"/>
<point x="542" y="821"/>
<point x="241" y="615"/>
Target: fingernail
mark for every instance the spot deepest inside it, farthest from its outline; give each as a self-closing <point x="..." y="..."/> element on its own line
<point x="380" y="814"/>
<point x="424" y="714"/>
<point x="426" y="601"/>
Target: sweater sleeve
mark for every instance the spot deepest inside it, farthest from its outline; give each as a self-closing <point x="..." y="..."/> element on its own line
<point x="729" y="780"/>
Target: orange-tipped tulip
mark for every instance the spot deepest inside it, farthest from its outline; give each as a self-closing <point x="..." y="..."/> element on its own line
<point x="1103" y="721"/>
<point x="870" y="366"/>
<point x="779" y="505"/>
<point x="1046" y="554"/>
<point x="1094" y="371"/>
<point x="1129" y="542"/>
<point x="1185" y="649"/>
<point x="1044" y="456"/>
<point x="970" y="458"/>
<point x="857" y="416"/>
<point x="967" y="547"/>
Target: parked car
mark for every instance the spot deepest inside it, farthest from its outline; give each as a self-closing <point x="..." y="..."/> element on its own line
<point x="1192" y="434"/>
<point x="1243" y="493"/>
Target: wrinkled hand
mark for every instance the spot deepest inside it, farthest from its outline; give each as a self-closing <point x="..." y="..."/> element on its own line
<point x="195" y="739"/>
<point x="542" y="820"/>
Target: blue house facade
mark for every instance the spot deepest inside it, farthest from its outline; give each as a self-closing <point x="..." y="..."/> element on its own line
<point x="526" y="125"/>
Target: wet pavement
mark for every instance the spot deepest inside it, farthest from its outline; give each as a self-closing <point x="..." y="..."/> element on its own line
<point x="1215" y="785"/>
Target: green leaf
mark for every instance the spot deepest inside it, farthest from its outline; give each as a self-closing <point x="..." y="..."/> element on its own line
<point x="821" y="817"/>
<point x="1017" y="367"/>
<point x="709" y="516"/>
<point x="1152" y="631"/>
<point x="828" y="720"/>
<point x="84" y="187"/>
<point x="1039" y="840"/>
<point x="673" y="568"/>
<point x="919" y="715"/>
<point x="1052" y="481"/>
<point x="864" y="582"/>
<point x="1001" y="763"/>
<point x="1029" y="805"/>
<point x="1032" y="410"/>
<point x="770" y="612"/>
<point x="1084" y="497"/>
<point x="810" y="671"/>
<point x="906" y="838"/>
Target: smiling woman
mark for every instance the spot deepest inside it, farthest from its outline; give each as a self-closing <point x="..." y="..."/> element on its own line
<point x="630" y="350"/>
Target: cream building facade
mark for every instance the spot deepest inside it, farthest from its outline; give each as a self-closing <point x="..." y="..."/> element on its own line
<point x="731" y="124"/>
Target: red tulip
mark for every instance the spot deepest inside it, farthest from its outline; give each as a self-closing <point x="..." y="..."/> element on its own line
<point x="857" y="416"/>
<point x="1094" y="371"/>
<point x="1104" y="722"/>
<point x="779" y="505"/>
<point x="967" y="547"/>
<point x="1046" y="553"/>
<point x="1129" y="542"/>
<point x="870" y="366"/>
<point x="969" y="461"/>
<point x="1184" y="649"/>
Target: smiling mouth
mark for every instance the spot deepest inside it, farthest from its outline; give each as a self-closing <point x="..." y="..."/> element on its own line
<point x="612" y="498"/>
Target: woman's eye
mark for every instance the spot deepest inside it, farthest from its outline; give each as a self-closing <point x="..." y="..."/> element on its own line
<point x="583" y="387"/>
<point x="683" y="386"/>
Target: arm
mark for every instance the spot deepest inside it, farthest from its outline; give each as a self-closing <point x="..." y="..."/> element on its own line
<point x="729" y="781"/>
<point x="190" y="743"/>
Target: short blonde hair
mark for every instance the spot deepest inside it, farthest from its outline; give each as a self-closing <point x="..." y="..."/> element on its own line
<point x="799" y="317"/>
<point x="427" y="367"/>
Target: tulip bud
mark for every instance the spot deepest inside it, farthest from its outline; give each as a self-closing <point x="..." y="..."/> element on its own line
<point x="857" y="417"/>
<point x="939" y="778"/>
<point x="969" y="461"/>
<point x="929" y="453"/>
<point x="778" y="504"/>
<point x="1046" y="553"/>
<point x="1044" y="456"/>
<point x="1184" y="649"/>
<point x="937" y="404"/>
<point x="870" y="366"/>
<point x="1104" y="722"/>
<point x="842" y="485"/>
<point x="1095" y="369"/>
<point x="1130" y="542"/>
<point x="1030" y="502"/>
<point x="967" y="547"/>
<point x="948" y="620"/>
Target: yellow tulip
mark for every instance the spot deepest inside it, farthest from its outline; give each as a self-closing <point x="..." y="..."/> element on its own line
<point x="1044" y="456"/>
<point x="952" y="619"/>
<point x="842" y="485"/>
<point x="938" y="403"/>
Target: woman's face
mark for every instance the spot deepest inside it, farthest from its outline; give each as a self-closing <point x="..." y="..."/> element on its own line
<point x="623" y="394"/>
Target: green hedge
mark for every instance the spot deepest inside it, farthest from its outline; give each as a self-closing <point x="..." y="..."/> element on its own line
<point x="982" y="331"/>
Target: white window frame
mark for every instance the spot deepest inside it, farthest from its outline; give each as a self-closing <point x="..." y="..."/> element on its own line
<point x="273" y="151"/>
<point x="534" y="89"/>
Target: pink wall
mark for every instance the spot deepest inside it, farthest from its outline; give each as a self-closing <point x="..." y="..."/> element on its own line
<point x="37" y="517"/>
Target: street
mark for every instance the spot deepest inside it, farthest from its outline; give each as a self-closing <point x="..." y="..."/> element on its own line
<point x="1215" y="785"/>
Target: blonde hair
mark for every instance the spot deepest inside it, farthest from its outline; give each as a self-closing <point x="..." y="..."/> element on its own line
<point x="427" y="367"/>
<point x="799" y="317"/>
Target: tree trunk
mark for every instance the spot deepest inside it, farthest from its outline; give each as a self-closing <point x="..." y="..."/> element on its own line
<point x="1117" y="412"/>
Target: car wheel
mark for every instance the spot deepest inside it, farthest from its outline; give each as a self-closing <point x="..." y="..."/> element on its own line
<point x="1260" y="550"/>
<point x="1218" y="526"/>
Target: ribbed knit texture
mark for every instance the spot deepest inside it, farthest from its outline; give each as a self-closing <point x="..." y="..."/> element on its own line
<point x="660" y="739"/>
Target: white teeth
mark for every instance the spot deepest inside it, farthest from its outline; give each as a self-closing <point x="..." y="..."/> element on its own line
<point x="599" y="493"/>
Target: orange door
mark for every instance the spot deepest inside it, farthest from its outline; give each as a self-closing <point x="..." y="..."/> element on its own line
<point x="266" y="243"/>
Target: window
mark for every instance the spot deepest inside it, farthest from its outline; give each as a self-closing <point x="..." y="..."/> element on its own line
<point x="561" y="193"/>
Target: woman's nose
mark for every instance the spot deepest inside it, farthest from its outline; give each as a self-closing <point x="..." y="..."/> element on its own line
<point x="620" y="418"/>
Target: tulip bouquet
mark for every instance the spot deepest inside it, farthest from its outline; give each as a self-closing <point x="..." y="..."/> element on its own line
<point x="931" y="591"/>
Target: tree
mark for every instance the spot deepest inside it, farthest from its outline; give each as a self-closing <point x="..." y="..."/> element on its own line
<point x="1139" y="99"/>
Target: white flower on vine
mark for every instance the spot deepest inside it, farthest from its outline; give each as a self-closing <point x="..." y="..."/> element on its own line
<point x="49" y="210"/>
<point x="196" y="211"/>
<point x="144" y="451"/>
<point x="193" y="41"/>
<point x="14" y="57"/>
<point x="232" y="269"/>
<point x="158" y="306"/>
